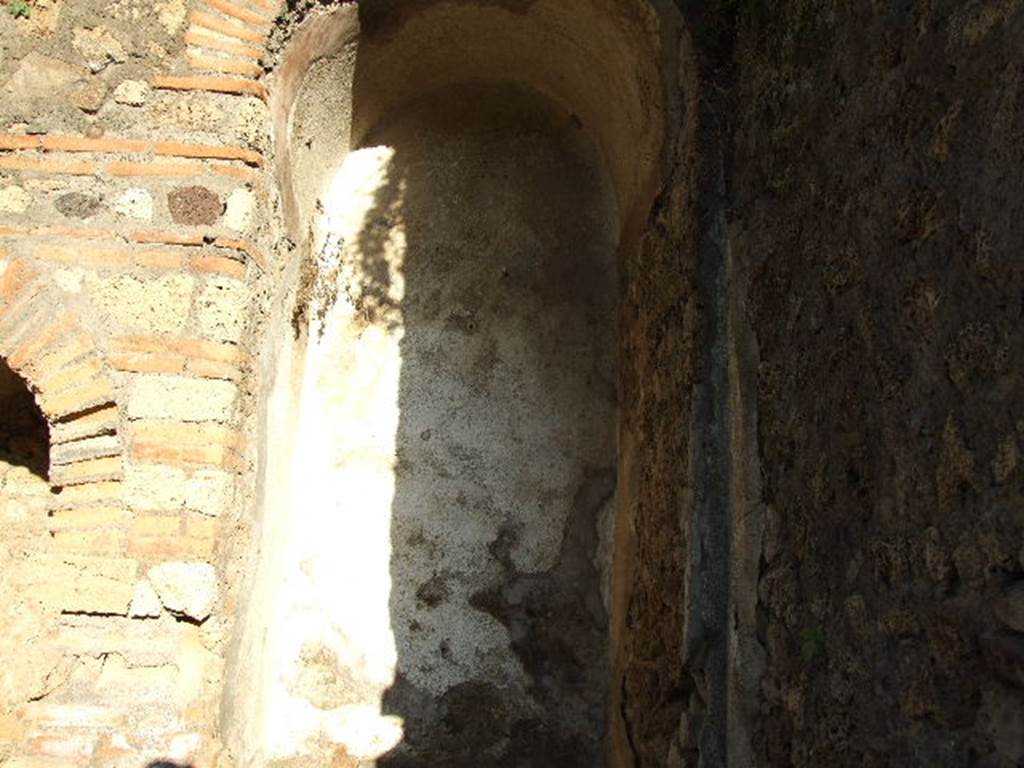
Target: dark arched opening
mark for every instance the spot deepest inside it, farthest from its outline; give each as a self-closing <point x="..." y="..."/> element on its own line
<point x="24" y="434"/>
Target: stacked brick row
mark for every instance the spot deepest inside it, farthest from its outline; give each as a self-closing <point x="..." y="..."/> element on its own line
<point x="133" y="208"/>
<point x="225" y="44"/>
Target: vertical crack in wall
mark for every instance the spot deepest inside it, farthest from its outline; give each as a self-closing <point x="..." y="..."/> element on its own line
<point x="707" y="599"/>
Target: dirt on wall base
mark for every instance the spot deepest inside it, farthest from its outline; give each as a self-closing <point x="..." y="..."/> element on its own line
<point x="878" y="206"/>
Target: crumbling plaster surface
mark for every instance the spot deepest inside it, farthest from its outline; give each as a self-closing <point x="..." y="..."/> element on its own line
<point x="454" y="455"/>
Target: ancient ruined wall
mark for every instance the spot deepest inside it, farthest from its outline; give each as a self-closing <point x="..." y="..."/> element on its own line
<point x="651" y="688"/>
<point x="130" y="200"/>
<point x="141" y="241"/>
<point x="878" y="213"/>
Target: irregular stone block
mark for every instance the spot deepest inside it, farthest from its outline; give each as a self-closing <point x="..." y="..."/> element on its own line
<point x="135" y="203"/>
<point x="90" y="95"/>
<point x="183" y="398"/>
<point x="241" y="206"/>
<point x="98" y="47"/>
<point x="145" y="603"/>
<point x="132" y="93"/>
<point x="187" y="589"/>
<point x="14" y="199"/>
<point x="75" y="205"/>
<point x="221" y="308"/>
<point x="159" y="305"/>
<point x="194" y="206"/>
<point x="39" y="75"/>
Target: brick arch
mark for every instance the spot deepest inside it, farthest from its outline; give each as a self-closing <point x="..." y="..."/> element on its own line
<point x="46" y="346"/>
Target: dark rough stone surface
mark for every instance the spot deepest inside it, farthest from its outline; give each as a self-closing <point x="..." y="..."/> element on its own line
<point x="194" y="206"/>
<point x="75" y="205"/>
<point x="882" y="218"/>
<point x="1004" y="654"/>
<point x="90" y="95"/>
<point x="1009" y="607"/>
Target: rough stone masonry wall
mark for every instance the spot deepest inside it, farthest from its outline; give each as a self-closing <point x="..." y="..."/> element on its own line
<point x="878" y="213"/>
<point x="131" y="193"/>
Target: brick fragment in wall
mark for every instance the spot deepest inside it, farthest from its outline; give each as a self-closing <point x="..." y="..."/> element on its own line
<point x="194" y="206"/>
<point x="212" y="369"/>
<point x="90" y="448"/>
<point x="40" y="344"/>
<point x="182" y="398"/>
<point x="18" y="323"/>
<point x="54" y="381"/>
<point x="164" y="432"/>
<point x="227" y="27"/>
<point x="88" y="471"/>
<point x="91" y="394"/>
<point x="90" y="493"/>
<point x="86" y="518"/>
<point x="196" y="542"/>
<point x="136" y="362"/>
<point x="142" y="643"/>
<point x="156" y="524"/>
<point x="50" y="358"/>
<point x="241" y="13"/>
<point x="82" y="584"/>
<point x="109" y="543"/>
<point x="88" y="395"/>
<point x="15" y="287"/>
<point x="188" y="589"/>
<point x="101" y="422"/>
<point x="209" y="263"/>
<point x="187" y="455"/>
<point x="201" y="348"/>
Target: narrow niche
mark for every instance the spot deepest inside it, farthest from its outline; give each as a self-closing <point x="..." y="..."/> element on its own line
<point x="439" y="491"/>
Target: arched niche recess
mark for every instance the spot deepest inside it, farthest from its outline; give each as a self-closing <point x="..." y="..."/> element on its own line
<point x="437" y="496"/>
<point x="24" y="433"/>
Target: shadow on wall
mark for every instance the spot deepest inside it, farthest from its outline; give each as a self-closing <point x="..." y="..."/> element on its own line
<point x="167" y="764"/>
<point x="465" y="319"/>
<point x="24" y="434"/>
<point x="504" y="451"/>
